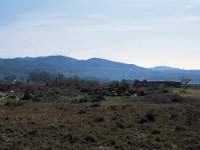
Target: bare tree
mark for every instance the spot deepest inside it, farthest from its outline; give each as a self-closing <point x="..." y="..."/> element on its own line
<point x="185" y="81"/>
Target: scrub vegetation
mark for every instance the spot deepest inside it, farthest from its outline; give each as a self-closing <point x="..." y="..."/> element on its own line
<point x="69" y="113"/>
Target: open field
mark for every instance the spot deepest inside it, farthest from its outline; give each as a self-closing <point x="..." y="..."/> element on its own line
<point x="63" y="121"/>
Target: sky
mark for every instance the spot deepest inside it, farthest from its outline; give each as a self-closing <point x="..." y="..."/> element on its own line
<point x="143" y="32"/>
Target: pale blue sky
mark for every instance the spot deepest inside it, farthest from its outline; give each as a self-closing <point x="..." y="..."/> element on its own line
<point x="141" y="32"/>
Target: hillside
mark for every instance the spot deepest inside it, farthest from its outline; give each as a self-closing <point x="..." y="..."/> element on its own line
<point x="94" y="68"/>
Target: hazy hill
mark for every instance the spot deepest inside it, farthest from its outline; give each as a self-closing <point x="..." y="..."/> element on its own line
<point x="93" y="68"/>
<point x="164" y="68"/>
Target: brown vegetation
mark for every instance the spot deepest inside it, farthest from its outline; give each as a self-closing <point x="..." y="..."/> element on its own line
<point x="77" y="114"/>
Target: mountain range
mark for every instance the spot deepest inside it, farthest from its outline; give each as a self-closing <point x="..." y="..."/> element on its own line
<point x="94" y="68"/>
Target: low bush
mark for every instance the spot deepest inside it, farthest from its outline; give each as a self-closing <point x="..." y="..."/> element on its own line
<point x="90" y="138"/>
<point x="151" y="116"/>
<point x="70" y="138"/>
<point x="141" y="120"/>
<point x="99" y="119"/>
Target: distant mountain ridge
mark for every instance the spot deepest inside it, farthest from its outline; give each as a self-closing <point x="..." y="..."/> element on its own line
<point x="164" y="68"/>
<point x="94" y="68"/>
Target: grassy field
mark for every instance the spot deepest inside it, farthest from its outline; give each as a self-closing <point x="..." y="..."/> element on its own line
<point x="121" y="122"/>
<point x="190" y="92"/>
